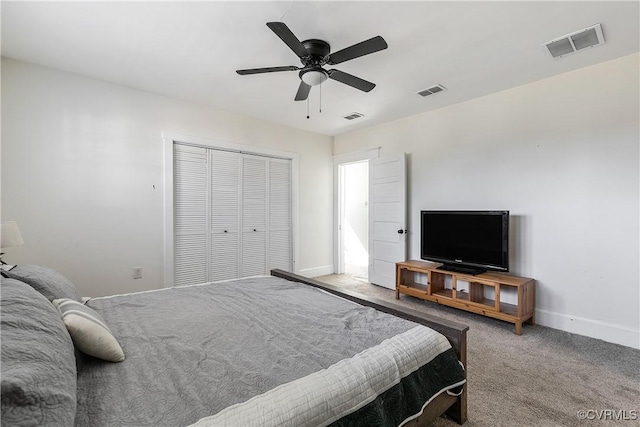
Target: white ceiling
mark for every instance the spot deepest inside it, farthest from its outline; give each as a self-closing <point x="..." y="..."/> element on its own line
<point x="191" y="50"/>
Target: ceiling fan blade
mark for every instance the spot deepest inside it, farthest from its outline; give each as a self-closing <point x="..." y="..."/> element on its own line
<point x="266" y="70"/>
<point x="357" y="50"/>
<point x="350" y="80"/>
<point x="288" y="37"/>
<point x="303" y="91"/>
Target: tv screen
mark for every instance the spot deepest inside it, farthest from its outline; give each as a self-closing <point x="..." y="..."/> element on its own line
<point x="466" y="241"/>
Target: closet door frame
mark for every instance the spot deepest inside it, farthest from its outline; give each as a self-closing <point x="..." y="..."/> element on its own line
<point x="168" y="141"/>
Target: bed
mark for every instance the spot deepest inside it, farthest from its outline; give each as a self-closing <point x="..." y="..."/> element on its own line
<point x="274" y="350"/>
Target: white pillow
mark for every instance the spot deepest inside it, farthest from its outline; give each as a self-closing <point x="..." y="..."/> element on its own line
<point x="88" y="331"/>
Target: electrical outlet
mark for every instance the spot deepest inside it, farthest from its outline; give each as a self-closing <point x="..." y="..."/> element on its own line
<point x="137" y="272"/>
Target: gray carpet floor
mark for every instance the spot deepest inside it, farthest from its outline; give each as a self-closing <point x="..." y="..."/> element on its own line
<point x="543" y="377"/>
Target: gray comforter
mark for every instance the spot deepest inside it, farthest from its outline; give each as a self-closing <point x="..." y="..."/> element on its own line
<point x="193" y="351"/>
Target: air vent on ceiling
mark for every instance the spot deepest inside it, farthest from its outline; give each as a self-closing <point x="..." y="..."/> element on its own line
<point x="432" y="90"/>
<point x="354" y="116"/>
<point x="576" y="41"/>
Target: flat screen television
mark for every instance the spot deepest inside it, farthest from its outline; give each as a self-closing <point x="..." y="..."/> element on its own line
<point x="466" y="241"/>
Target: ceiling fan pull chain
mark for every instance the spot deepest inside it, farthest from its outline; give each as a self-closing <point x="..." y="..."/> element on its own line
<point x="320" y="99"/>
<point x="307" y="107"/>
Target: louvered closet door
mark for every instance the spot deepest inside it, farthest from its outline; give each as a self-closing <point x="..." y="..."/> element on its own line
<point x="232" y="215"/>
<point x="279" y="237"/>
<point x="254" y="216"/>
<point x="190" y="214"/>
<point x="225" y="214"/>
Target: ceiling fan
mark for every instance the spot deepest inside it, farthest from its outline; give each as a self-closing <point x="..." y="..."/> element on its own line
<point x="313" y="54"/>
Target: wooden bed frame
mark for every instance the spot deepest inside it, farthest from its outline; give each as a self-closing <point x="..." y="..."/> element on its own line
<point x="449" y="406"/>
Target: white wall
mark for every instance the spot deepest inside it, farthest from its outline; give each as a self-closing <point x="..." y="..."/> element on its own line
<point x="82" y="173"/>
<point x="355" y="223"/>
<point x="562" y="155"/>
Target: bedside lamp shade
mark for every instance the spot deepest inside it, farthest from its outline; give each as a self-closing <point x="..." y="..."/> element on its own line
<point x="10" y="235"/>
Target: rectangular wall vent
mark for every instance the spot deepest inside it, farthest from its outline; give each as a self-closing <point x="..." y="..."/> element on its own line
<point x="354" y="116"/>
<point x="576" y="41"/>
<point x="432" y="90"/>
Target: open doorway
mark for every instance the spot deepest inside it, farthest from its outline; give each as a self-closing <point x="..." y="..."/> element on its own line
<point x="353" y="246"/>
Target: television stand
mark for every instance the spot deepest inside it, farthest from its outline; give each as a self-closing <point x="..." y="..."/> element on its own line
<point x="474" y="271"/>
<point x="472" y="297"/>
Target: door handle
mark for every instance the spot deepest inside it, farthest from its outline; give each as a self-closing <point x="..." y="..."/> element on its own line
<point x="401" y="231"/>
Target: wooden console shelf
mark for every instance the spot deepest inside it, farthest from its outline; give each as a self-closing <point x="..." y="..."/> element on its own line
<point x="472" y="298"/>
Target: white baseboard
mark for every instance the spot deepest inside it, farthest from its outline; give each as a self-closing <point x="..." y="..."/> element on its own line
<point x="610" y="332"/>
<point x="316" y="271"/>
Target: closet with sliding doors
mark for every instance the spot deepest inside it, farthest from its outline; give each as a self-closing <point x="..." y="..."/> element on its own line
<point x="232" y="214"/>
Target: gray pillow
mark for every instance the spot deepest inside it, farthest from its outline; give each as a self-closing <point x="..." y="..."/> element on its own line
<point x="45" y="280"/>
<point x="38" y="365"/>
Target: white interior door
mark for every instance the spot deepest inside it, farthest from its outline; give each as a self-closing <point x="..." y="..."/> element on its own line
<point x="280" y="253"/>
<point x="387" y="218"/>
<point x="254" y="216"/>
<point x="224" y="214"/>
<point x="190" y="214"/>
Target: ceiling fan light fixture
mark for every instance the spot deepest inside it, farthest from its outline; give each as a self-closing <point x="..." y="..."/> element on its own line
<point x="314" y="77"/>
<point x="313" y="54"/>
